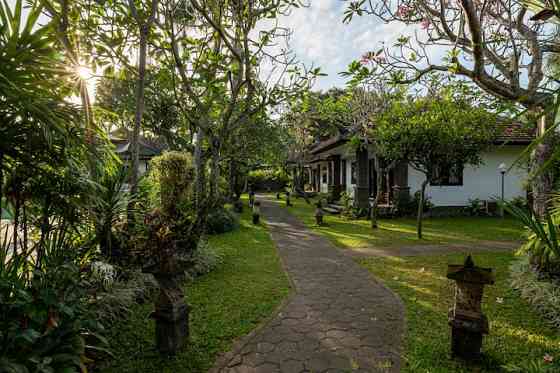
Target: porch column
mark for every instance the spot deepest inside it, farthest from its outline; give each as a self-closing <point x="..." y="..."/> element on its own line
<point x="401" y="190"/>
<point x="361" y="193"/>
<point x="335" y="186"/>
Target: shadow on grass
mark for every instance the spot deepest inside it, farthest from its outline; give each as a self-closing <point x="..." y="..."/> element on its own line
<point x="517" y="334"/>
<point x="402" y="231"/>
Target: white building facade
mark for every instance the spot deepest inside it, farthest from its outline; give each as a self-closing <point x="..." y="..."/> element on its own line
<point x="335" y="168"/>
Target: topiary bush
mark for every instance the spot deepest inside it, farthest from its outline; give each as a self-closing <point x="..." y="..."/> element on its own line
<point x="172" y="176"/>
<point x="221" y="220"/>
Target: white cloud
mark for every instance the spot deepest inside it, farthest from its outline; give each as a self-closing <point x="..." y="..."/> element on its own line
<point x="322" y="39"/>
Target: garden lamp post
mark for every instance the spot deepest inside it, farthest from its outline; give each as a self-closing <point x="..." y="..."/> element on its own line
<point x="371" y="201"/>
<point x="503" y="169"/>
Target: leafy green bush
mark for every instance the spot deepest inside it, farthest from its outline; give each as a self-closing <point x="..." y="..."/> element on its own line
<point x="543" y="238"/>
<point x="406" y="206"/>
<point x="221" y="220"/>
<point x="542" y="293"/>
<point x="108" y="207"/>
<point x="47" y="325"/>
<point x="520" y="202"/>
<point x="476" y="207"/>
<point x="205" y="259"/>
<point x="347" y="205"/>
<point x="259" y="179"/>
<point x="115" y="303"/>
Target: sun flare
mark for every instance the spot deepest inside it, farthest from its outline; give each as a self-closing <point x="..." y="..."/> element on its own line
<point x="84" y="72"/>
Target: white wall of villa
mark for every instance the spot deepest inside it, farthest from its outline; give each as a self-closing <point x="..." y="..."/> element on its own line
<point x="483" y="182"/>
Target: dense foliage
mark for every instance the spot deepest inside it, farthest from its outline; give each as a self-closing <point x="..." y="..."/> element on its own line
<point x="543" y="237"/>
<point x="274" y="179"/>
<point x="434" y="135"/>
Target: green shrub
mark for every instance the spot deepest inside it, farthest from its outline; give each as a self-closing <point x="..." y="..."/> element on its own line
<point x="205" y="259"/>
<point x="476" y="207"/>
<point x="47" y="325"/>
<point x="261" y="178"/>
<point x="520" y="202"/>
<point x="543" y="238"/>
<point x="172" y="176"/>
<point x="406" y="206"/>
<point x="542" y="293"/>
<point x="347" y="204"/>
<point x="114" y="303"/>
<point x="221" y="220"/>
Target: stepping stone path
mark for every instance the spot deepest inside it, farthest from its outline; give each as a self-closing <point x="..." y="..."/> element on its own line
<point x="339" y="319"/>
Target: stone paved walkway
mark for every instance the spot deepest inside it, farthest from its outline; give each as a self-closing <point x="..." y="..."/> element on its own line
<point x="339" y="319"/>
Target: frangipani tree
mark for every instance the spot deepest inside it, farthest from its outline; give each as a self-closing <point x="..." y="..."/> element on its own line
<point x="494" y="44"/>
<point x="433" y="135"/>
<point x="219" y="50"/>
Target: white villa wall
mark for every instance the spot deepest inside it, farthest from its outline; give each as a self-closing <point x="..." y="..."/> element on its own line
<point x="483" y="182"/>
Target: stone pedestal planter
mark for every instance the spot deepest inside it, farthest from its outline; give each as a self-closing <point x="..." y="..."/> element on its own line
<point x="171" y="315"/>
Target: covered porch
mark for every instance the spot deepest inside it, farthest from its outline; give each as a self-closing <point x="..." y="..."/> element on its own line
<point x="337" y="168"/>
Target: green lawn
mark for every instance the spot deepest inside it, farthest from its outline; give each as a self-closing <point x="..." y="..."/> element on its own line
<point x="517" y="334"/>
<point x="226" y="304"/>
<point x="347" y="233"/>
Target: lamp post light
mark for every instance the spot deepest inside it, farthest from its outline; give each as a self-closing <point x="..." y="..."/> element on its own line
<point x="503" y="169"/>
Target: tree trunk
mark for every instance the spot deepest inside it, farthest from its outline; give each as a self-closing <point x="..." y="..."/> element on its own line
<point x="45" y="229"/>
<point x="140" y="105"/>
<point x="232" y="181"/>
<point x="200" y="185"/>
<point x="421" y="209"/>
<point x="379" y="188"/>
<point x="16" y="222"/>
<point x="215" y="169"/>
<point x="542" y="178"/>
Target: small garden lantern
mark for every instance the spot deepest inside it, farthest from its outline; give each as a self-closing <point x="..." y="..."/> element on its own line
<point x="256" y="212"/>
<point x="319" y="214"/>
<point x="251" y="198"/>
<point x="468" y="323"/>
<point x="288" y="203"/>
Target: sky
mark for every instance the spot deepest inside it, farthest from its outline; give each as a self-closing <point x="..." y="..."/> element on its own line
<point x="320" y="38"/>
